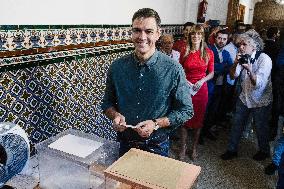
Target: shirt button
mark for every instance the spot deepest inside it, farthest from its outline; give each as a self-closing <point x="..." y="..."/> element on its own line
<point x="138" y="103"/>
<point x="140" y="89"/>
<point x="137" y="117"/>
<point x="141" y="75"/>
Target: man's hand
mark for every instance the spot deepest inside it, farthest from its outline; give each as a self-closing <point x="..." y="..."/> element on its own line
<point x="252" y="76"/>
<point x="145" y="128"/>
<point x="247" y="67"/>
<point x="119" y="123"/>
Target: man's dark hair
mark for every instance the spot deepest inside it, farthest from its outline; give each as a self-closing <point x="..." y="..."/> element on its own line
<point x="223" y="32"/>
<point x="188" y="24"/>
<point x="271" y="32"/>
<point x="147" y="13"/>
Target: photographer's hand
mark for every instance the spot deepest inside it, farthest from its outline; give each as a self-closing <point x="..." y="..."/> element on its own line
<point x="252" y="76"/>
<point x="247" y="67"/>
<point x="233" y="69"/>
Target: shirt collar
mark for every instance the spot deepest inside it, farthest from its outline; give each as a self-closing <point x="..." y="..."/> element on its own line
<point x="150" y="62"/>
<point x="218" y="50"/>
<point x="253" y="55"/>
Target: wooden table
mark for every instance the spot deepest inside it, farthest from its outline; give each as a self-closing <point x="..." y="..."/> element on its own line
<point x="141" y="169"/>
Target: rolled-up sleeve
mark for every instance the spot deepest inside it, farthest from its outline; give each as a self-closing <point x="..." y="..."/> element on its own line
<point x="182" y="109"/>
<point x="238" y="70"/>
<point x="263" y="71"/>
<point x="109" y="99"/>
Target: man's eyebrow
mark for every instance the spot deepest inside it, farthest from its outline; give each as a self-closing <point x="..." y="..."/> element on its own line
<point x="136" y="28"/>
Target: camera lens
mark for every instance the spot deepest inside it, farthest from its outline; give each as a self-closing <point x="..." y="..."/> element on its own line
<point x="244" y="59"/>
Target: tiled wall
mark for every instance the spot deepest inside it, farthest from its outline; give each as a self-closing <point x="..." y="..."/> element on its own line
<point x="49" y="86"/>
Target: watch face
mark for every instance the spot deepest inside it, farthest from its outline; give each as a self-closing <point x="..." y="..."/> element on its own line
<point x="156" y="126"/>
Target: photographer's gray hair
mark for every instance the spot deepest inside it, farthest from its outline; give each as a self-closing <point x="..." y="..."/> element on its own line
<point x="252" y="37"/>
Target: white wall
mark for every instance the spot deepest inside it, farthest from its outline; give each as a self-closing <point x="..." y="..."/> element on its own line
<point x="217" y="10"/>
<point x="86" y="11"/>
<point x="249" y="10"/>
<point x="14" y="12"/>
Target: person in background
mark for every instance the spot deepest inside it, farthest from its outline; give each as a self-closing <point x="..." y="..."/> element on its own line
<point x="199" y="68"/>
<point x="180" y="45"/>
<point x="262" y="34"/>
<point x="147" y="94"/>
<point x="218" y="97"/>
<point x="166" y="47"/>
<point x="272" y="49"/>
<point x="280" y="183"/>
<point x="278" y="151"/>
<point x="254" y="69"/>
<point x="240" y="27"/>
<point x="212" y="34"/>
<point x="232" y="48"/>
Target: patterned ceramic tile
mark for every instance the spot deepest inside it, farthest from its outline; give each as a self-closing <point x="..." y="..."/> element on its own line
<point x="48" y="99"/>
<point x="59" y="90"/>
<point x="28" y="38"/>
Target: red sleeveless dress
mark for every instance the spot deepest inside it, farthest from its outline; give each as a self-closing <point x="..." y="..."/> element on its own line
<point x="195" y="69"/>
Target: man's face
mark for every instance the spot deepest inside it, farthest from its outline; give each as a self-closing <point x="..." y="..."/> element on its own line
<point x="246" y="47"/>
<point x="145" y="33"/>
<point x="221" y="40"/>
<point x="167" y="44"/>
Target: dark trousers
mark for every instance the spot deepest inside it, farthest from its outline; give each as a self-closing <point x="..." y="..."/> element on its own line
<point x="261" y="124"/>
<point x="278" y="99"/>
<point x="150" y="145"/>
<point x="280" y="183"/>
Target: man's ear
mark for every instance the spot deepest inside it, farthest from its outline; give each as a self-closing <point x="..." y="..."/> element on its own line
<point x="159" y="32"/>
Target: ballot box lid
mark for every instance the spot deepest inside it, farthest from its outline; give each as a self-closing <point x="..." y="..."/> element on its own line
<point x="148" y="170"/>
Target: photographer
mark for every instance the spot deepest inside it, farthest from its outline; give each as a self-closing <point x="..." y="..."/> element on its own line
<point x="255" y="97"/>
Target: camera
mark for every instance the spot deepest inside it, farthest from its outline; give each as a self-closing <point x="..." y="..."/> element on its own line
<point x="244" y="59"/>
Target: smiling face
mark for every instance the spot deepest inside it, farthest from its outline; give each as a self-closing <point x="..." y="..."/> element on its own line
<point x="196" y="38"/>
<point x="145" y="33"/>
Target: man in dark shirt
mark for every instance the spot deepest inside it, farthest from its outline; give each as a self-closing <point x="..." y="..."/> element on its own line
<point x="146" y="94"/>
<point x="272" y="48"/>
<point x="219" y="91"/>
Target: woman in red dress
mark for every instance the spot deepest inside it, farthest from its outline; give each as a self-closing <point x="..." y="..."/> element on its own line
<point x="198" y="64"/>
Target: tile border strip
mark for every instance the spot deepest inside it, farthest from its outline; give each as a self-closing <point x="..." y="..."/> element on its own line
<point x="14" y="63"/>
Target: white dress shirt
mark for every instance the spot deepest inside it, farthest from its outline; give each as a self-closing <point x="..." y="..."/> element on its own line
<point x="258" y="95"/>
<point x="174" y="55"/>
<point x="233" y="50"/>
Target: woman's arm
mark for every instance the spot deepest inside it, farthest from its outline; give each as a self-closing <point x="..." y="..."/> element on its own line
<point x="199" y="83"/>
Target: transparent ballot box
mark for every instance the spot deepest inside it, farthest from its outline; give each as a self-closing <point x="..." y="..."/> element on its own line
<point x="138" y="169"/>
<point x="75" y="160"/>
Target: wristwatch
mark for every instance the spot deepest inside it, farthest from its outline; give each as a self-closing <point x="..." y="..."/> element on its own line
<point x="157" y="126"/>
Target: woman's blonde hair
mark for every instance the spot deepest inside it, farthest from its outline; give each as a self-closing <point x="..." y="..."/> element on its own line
<point x="203" y="53"/>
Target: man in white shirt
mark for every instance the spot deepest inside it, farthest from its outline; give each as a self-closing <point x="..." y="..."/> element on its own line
<point x="255" y="97"/>
<point x="167" y="42"/>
